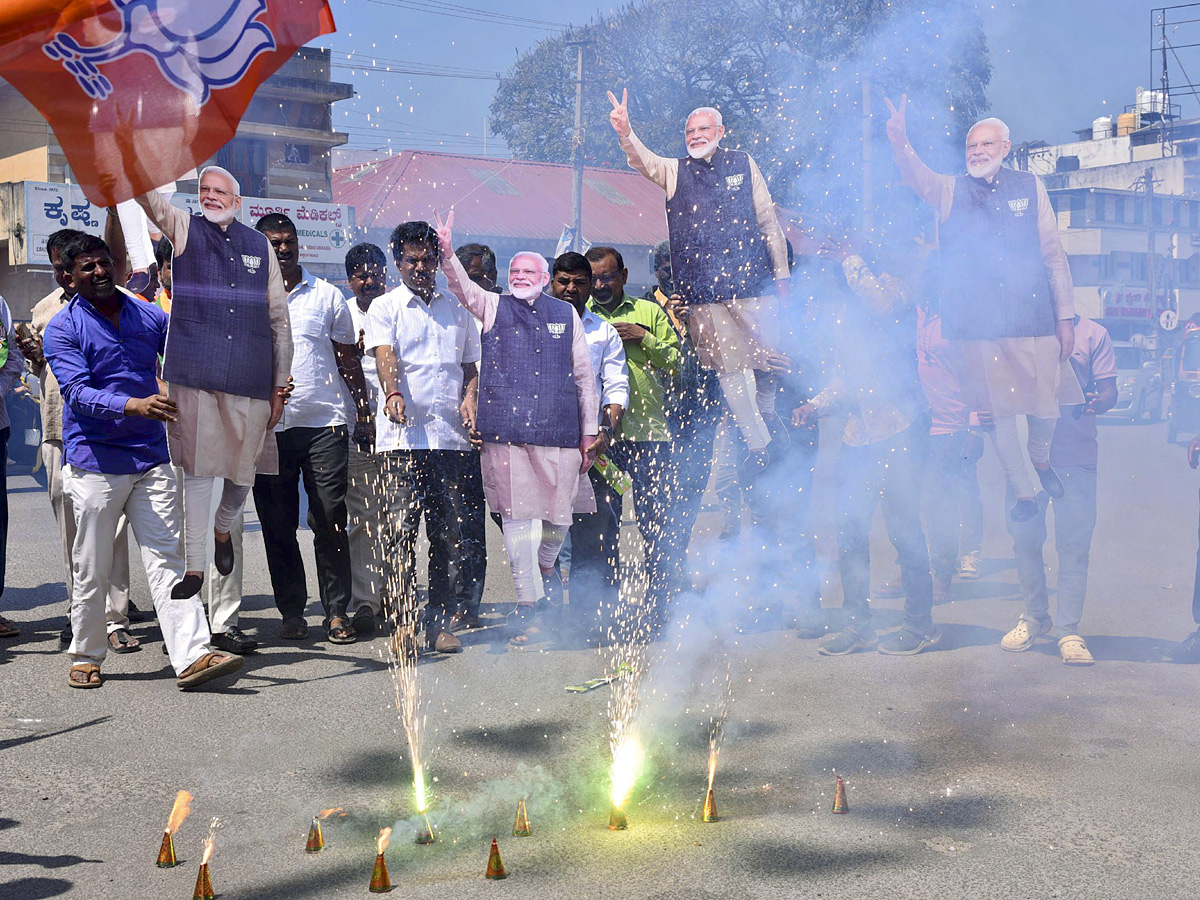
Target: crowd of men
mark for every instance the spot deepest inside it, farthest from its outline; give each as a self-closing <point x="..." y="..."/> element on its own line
<point x="549" y="401"/>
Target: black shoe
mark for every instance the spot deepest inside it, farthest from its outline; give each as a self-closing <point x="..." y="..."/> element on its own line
<point x="1188" y="651"/>
<point x="1050" y="481"/>
<point x="135" y="614"/>
<point x="233" y="640"/>
<point x="223" y="556"/>
<point x="1023" y="510"/>
<point x="364" y="622"/>
<point x="188" y="587"/>
<point x="65" y="637"/>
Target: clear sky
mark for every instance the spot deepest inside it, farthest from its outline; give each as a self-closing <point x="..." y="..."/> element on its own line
<point x="1058" y="63"/>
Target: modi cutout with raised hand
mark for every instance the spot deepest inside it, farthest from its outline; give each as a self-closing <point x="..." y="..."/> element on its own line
<point x="728" y="262"/>
<point x="1006" y="295"/>
<point x="537" y="416"/>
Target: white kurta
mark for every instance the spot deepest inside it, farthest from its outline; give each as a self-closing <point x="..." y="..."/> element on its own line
<point x="525" y="481"/>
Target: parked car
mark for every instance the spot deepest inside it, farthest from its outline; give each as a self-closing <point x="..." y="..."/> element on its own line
<point x="1139" y="383"/>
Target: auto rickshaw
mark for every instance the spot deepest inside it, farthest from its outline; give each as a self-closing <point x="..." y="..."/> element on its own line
<point x="1184" y="416"/>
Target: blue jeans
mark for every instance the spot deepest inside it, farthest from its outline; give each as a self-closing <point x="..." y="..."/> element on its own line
<point x="1074" y="521"/>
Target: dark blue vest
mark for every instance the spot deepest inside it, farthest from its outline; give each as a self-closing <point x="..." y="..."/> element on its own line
<point x="994" y="282"/>
<point x="527" y="391"/>
<point x="718" y="252"/>
<point x="220" y="337"/>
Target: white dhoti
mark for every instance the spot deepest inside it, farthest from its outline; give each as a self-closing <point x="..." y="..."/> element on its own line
<point x="149" y="501"/>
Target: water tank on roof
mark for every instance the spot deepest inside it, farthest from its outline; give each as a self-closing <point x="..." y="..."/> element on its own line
<point x="1151" y="102"/>
<point x="1126" y="124"/>
<point x="1102" y="127"/>
<point x="1066" y="164"/>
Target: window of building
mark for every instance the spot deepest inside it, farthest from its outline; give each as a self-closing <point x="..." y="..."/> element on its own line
<point x="1158" y="211"/>
<point x="1078" y="210"/>
<point x="1139" y="211"/>
<point x="1119" y="209"/>
<point x="1101" y="207"/>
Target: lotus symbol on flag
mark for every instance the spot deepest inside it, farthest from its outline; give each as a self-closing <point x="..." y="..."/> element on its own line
<point x="196" y="45"/>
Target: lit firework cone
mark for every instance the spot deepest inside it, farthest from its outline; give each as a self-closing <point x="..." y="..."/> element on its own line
<point x="425" y="832"/>
<point x="316" y="840"/>
<point x="495" y="869"/>
<point x="521" y="823"/>
<point x="380" y="883"/>
<point x="710" y="807"/>
<point x="166" y="853"/>
<point x="617" y="820"/>
<point x="204" y="888"/>
<point x="839" y="798"/>
<point x="179" y="812"/>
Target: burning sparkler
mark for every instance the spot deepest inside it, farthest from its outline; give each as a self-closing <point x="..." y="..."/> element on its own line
<point x="179" y="812"/>
<point x="402" y="655"/>
<point x="380" y="883"/>
<point x="627" y="758"/>
<point x="716" y="730"/>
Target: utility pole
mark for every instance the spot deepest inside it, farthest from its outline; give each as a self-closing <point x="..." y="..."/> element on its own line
<point x="577" y="150"/>
<point x="1148" y="185"/>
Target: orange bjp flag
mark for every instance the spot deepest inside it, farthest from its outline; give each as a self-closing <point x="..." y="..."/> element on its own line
<point x="139" y="92"/>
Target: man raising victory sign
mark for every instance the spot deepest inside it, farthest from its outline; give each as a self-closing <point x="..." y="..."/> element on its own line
<point x="726" y="250"/>
<point x="1007" y="296"/>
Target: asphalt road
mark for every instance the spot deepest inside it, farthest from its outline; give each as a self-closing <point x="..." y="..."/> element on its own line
<point x="970" y="772"/>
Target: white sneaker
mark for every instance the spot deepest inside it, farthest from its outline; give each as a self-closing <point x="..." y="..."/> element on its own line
<point x="1074" y="651"/>
<point x="968" y="566"/>
<point x="1023" y="636"/>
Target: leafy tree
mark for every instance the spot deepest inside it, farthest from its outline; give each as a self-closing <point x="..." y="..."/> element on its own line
<point x="787" y="76"/>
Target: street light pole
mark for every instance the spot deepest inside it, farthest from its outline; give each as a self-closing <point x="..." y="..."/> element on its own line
<point x="577" y="150"/>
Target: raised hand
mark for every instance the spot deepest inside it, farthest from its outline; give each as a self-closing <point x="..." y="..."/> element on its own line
<point x="445" y="232"/>
<point x="619" y="117"/>
<point x="897" y="130"/>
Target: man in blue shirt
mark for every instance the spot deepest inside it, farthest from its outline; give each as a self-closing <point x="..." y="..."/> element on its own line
<point x="103" y="348"/>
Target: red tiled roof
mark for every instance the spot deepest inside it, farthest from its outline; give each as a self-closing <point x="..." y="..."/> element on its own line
<point x="501" y="198"/>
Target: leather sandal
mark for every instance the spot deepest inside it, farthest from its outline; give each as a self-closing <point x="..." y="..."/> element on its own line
<point x="206" y="668"/>
<point x="91" y="673"/>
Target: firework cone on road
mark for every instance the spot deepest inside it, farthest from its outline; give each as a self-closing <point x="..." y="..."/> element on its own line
<point x="710" y="807"/>
<point x="166" y="853"/>
<point x="839" y="798"/>
<point x="380" y="883"/>
<point x="521" y="823"/>
<point x="204" y="888"/>
<point x="316" y="840"/>
<point x="495" y="868"/>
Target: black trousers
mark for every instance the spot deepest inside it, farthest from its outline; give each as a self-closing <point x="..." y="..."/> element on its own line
<point x="442" y="485"/>
<point x="319" y="456"/>
<point x="887" y="472"/>
<point x="595" y="557"/>
<point x="690" y="463"/>
<point x="648" y="463"/>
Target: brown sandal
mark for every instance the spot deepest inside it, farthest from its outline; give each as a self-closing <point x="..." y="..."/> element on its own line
<point x="206" y="668"/>
<point x="90" y="673"/>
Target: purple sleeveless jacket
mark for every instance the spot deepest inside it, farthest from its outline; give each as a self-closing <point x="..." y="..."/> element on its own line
<point x="994" y="282"/>
<point x="220" y="337"/>
<point x="527" y="391"/>
<point x="718" y="252"/>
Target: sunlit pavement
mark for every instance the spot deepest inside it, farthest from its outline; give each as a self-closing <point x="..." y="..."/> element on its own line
<point x="970" y="772"/>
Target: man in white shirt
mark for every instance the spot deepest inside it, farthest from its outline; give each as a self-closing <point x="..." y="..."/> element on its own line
<point x="427" y="351"/>
<point x="595" y="537"/>
<point x="312" y="441"/>
<point x="366" y="494"/>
